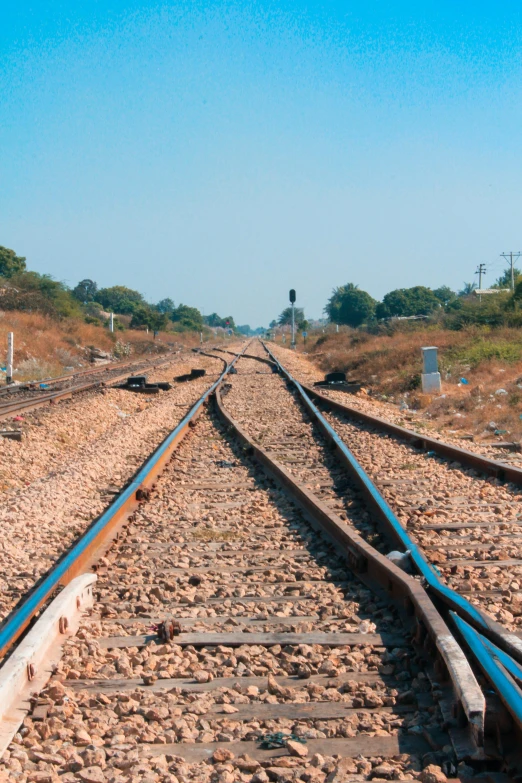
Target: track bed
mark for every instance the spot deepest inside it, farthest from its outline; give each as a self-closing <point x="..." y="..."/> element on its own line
<point x="248" y="627"/>
<point x="276" y="636"/>
<point x="468" y="524"/>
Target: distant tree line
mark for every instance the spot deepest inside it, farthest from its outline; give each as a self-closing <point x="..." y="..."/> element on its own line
<point x="21" y="289"/>
<point x="351" y="306"/>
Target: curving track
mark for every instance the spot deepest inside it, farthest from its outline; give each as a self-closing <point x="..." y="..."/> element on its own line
<point x="245" y="604"/>
<point x="73" y="460"/>
<point x="467" y="521"/>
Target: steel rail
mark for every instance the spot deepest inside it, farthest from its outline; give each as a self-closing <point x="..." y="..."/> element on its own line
<point x="6" y="391"/>
<point x="485" y="465"/>
<point x="496" y="665"/>
<point x="249" y="356"/>
<point x="84" y="550"/>
<point x="15" y="406"/>
<point x="30" y="385"/>
<point x="400" y="536"/>
<point x="480" y="623"/>
<point x="379" y="573"/>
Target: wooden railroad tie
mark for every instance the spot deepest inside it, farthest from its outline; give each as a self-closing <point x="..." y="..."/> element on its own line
<point x="263" y="639"/>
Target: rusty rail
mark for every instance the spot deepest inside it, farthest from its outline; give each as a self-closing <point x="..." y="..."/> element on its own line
<point x="379" y="572"/>
<point x="8" y="408"/>
<point x="474" y="626"/>
<point x="447" y="450"/>
<point x="86" y="549"/>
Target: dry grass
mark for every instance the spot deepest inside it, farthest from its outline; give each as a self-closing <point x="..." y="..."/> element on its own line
<point x="390" y="366"/>
<point x="211" y="534"/>
<point x="45" y="347"/>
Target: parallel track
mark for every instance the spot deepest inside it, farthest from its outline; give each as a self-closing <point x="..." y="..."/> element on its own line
<point x="463" y="509"/>
<point x="285" y="619"/>
<point x="19" y="399"/>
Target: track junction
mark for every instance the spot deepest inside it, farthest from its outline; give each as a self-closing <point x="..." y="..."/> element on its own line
<point x="234" y="613"/>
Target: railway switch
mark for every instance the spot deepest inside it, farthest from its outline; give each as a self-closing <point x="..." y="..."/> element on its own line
<point x="138" y="383"/>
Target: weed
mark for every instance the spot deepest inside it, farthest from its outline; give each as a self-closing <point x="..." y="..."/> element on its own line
<point x="211" y="534"/>
<point x="485" y="351"/>
<point x="389" y="364"/>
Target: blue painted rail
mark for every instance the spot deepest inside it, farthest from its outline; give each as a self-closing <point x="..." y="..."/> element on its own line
<point x="474" y="626"/>
<point x="19" y="618"/>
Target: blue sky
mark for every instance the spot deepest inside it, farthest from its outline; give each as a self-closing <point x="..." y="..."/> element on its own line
<point x="221" y="152"/>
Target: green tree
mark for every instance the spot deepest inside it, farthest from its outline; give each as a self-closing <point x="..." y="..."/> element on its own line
<point x="120" y="299"/>
<point x="445" y="295"/>
<point x="245" y="329"/>
<point x="349" y="305"/>
<point x="85" y="291"/>
<point x="214" y="320"/>
<point x="404" y="302"/>
<point x="144" y="315"/>
<point x="188" y="318"/>
<point x="504" y="281"/>
<point x="286" y="316"/>
<point x="467" y="289"/>
<point x="165" y="306"/>
<point x="10" y="263"/>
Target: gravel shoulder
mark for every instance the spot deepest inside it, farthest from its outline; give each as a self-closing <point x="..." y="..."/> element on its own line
<point x="305" y="371"/>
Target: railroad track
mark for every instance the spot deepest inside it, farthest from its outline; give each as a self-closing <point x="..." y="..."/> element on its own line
<point x="243" y="630"/>
<point x="24" y="397"/>
<point x="463" y="509"/>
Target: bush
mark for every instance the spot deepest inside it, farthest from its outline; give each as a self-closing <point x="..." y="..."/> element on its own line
<point x="30" y="291"/>
<point x="120" y="299"/>
<point x="10" y="263"/>
<point x="485" y="350"/>
<point x="494" y="310"/>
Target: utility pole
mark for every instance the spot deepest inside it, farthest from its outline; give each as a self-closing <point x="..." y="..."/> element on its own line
<point x="481" y="270"/>
<point x="512" y="256"/>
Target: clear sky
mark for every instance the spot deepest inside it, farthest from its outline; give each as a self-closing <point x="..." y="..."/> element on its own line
<point x="223" y="152"/>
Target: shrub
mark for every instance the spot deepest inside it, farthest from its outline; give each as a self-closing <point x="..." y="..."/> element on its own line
<point x="10" y="263"/>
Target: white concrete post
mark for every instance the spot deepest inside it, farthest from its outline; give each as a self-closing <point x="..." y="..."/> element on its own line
<point x="430" y="374"/>
<point x="10" y="351"/>
<point x="111" y="322"/>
